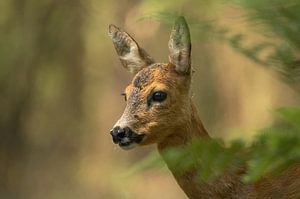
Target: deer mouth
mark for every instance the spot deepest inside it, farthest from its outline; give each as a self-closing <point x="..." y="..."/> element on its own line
<point x="126" y="138"/>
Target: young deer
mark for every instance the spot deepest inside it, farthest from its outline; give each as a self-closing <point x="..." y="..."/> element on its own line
<point x="160" y="110"/>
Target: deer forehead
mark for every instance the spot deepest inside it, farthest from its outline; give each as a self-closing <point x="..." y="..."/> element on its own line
<point x="153" y="73"/>
<point x="156" y="76"/>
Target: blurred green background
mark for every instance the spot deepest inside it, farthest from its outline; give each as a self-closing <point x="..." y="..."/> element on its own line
<point x="60" y="85"/>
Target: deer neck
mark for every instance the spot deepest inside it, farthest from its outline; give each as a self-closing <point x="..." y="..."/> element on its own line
<point x="226" y="186"/>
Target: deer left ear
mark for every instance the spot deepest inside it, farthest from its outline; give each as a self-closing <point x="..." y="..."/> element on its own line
<point x="180" y="47"/>
<point x="132" y="57"/>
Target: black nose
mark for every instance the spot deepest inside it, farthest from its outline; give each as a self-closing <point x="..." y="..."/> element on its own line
<point x="118" y="134"/>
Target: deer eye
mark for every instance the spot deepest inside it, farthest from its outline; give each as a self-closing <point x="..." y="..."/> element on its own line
<point x="124" y="94"/>
<point x="159" y="96"/>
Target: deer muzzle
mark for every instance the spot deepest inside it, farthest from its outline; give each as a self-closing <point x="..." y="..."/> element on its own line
<point x="125" y="137"/>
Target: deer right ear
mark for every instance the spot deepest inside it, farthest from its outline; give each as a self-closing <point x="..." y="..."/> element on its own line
<point x="180" y="47"/>
<point x="132" y="57"/>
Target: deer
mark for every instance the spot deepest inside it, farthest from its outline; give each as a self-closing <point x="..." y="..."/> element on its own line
<point x="159" y="110"/>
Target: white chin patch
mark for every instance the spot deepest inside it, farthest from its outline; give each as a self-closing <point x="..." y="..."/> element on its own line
<point x="130" y="146"/>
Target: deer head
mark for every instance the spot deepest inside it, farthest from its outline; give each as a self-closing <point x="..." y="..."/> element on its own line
<point x="157" y="99"/>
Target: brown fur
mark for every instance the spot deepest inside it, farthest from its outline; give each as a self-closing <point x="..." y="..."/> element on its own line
<point x="175" y="122"/>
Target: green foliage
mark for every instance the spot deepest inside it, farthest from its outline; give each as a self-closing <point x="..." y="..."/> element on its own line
<point x="276" y="147"/>
<point x="291" y="115"/>
<point x="208" y="156"/>
<point x="278" y="21"/>
<point x="272" y="151"/>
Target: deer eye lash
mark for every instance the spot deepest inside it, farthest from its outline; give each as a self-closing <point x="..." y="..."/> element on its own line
<point x="124" y="94"/>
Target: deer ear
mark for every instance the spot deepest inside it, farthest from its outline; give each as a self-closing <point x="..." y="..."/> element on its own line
<point x="132" y="57"/>
<point x="180" y="47"/>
